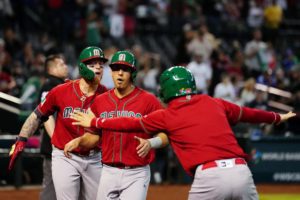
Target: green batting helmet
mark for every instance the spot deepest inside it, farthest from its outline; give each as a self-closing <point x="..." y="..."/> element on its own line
<point x="87" y="54"/>
<point x="175" y="82"/>
<point x="125" y="58"/>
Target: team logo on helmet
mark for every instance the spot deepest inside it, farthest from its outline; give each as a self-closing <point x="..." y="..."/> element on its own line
<point x="122" y="57"/>
<point x="185" y="91"/>
<point x="96" y="52"/>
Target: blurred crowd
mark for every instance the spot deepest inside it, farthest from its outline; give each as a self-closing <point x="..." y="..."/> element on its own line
<point x="230" y="46"/>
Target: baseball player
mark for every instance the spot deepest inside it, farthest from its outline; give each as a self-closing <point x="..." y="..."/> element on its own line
<point x="75" y="178"/>
<point x="126" y="172"/>
<point x="57" y="71"/>
<point x="199" y="131"/>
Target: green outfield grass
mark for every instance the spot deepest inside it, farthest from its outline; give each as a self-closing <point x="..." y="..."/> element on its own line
<point x="279" y="196"/>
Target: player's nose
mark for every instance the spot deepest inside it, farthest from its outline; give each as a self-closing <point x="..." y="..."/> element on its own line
<point x="121" y="71"/>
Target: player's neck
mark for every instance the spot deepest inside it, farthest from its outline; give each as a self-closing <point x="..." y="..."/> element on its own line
<point x="88" y="88"/>
<point x="120" y="93"/>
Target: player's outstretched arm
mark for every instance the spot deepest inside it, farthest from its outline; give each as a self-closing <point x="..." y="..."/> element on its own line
<point x="237" y="114"/>
<point x="286" y="116"/>
<point x="87" y="141"/>
<point x="82" y="119"/>
<point x="159" y="141"/>
<point x="29" y="127"/>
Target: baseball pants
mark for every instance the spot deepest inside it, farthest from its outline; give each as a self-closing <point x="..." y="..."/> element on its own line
<point x="223" y="182"/>
<point x="76" y="178"/>
<point x="48" y="191"/>
<point x="124" y="184"/>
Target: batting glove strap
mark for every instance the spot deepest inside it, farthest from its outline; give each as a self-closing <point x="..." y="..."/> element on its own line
<point x="20" y="138"/>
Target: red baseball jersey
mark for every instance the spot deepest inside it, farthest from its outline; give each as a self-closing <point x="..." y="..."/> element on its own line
<point x="198" y="128"/>
<point x="63" y="100"/>
<point x="119" y="147"/>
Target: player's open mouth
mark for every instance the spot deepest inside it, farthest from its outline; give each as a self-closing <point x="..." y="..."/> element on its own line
<point x="120" y="80"/>
<point x="97" y="73"/>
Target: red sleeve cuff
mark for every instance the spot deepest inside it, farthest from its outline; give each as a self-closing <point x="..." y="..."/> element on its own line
<point x="277" y="119"/>
<point x="94" y="123"/>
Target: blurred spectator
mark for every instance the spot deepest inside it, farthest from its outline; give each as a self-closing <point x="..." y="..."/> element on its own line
<point x="289" y="60"/>
<point x="6" y="12"/>
<point x="150" y="81"/>
<point x="30" y="91"/>
<point x="12" y="42"/>
<point x="260" y="101"/>
<point x="248" y="93"/>
<point x="186" y="36"/>
<point x="19" y="76"/>
<point x="255" y="15"/>
<point x="200" y="43"/>
<point x="207" y="36"/>
<point x="93" y="36"/>
<point x="201" y="70"/>
<point x="116" y="25"/>
<point x="7" y="81"/>
<point x="267" y="78"/>
<point x="236" y="67"/>
<point x="225" y="89"/>
<point x="273" y="16"/>
<point x="282" y="81"/>
<point x="47" y="45"/>
<point x="255" y="54"/>
<point x="5" y="57"/>
<point x="220" y="62"/>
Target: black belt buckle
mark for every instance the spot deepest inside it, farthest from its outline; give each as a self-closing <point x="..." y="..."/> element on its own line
<point x="121" y="166"/>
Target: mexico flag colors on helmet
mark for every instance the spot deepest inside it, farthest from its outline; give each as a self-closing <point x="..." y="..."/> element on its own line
<point x="86" y="55"/>
<point x="175" y="82"/>
<point x="125" y="58"/>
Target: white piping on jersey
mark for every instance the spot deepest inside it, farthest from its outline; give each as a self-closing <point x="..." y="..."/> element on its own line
<point x="116" y="109"/>
<point x="143" y="126"/>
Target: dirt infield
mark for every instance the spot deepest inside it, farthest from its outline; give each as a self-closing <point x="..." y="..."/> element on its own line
<point x="164" y="192"/>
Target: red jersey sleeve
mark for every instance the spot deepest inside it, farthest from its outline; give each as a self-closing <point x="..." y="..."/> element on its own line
<point x="236" y="113"/>
<point x="151" y="123"/>
<point x="49" y="104"/>
<point x="154" y="122"/>
<point x="125" y="124"/>
<point x="94" y="130"/>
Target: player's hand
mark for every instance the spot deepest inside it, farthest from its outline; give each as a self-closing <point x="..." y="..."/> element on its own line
<point x="70" y="146"/>
<point x="285" y="117"/>
<point x="82" y="119"/>
<point x="143" y="148"/>
<point x="16" y="150"/>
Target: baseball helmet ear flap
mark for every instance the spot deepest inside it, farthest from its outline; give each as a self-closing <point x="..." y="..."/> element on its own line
<point x="85" y="72"/>
<point x="88" y="54"/>
<point x="175" y="82"/>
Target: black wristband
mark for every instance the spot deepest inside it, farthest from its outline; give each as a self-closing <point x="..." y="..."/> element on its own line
<point x="23" y="139"/>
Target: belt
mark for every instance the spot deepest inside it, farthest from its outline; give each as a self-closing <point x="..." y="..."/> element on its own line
<point x="224" y="163"/>
<point x="87" y="154"/>
<point x="121" y="165"/>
